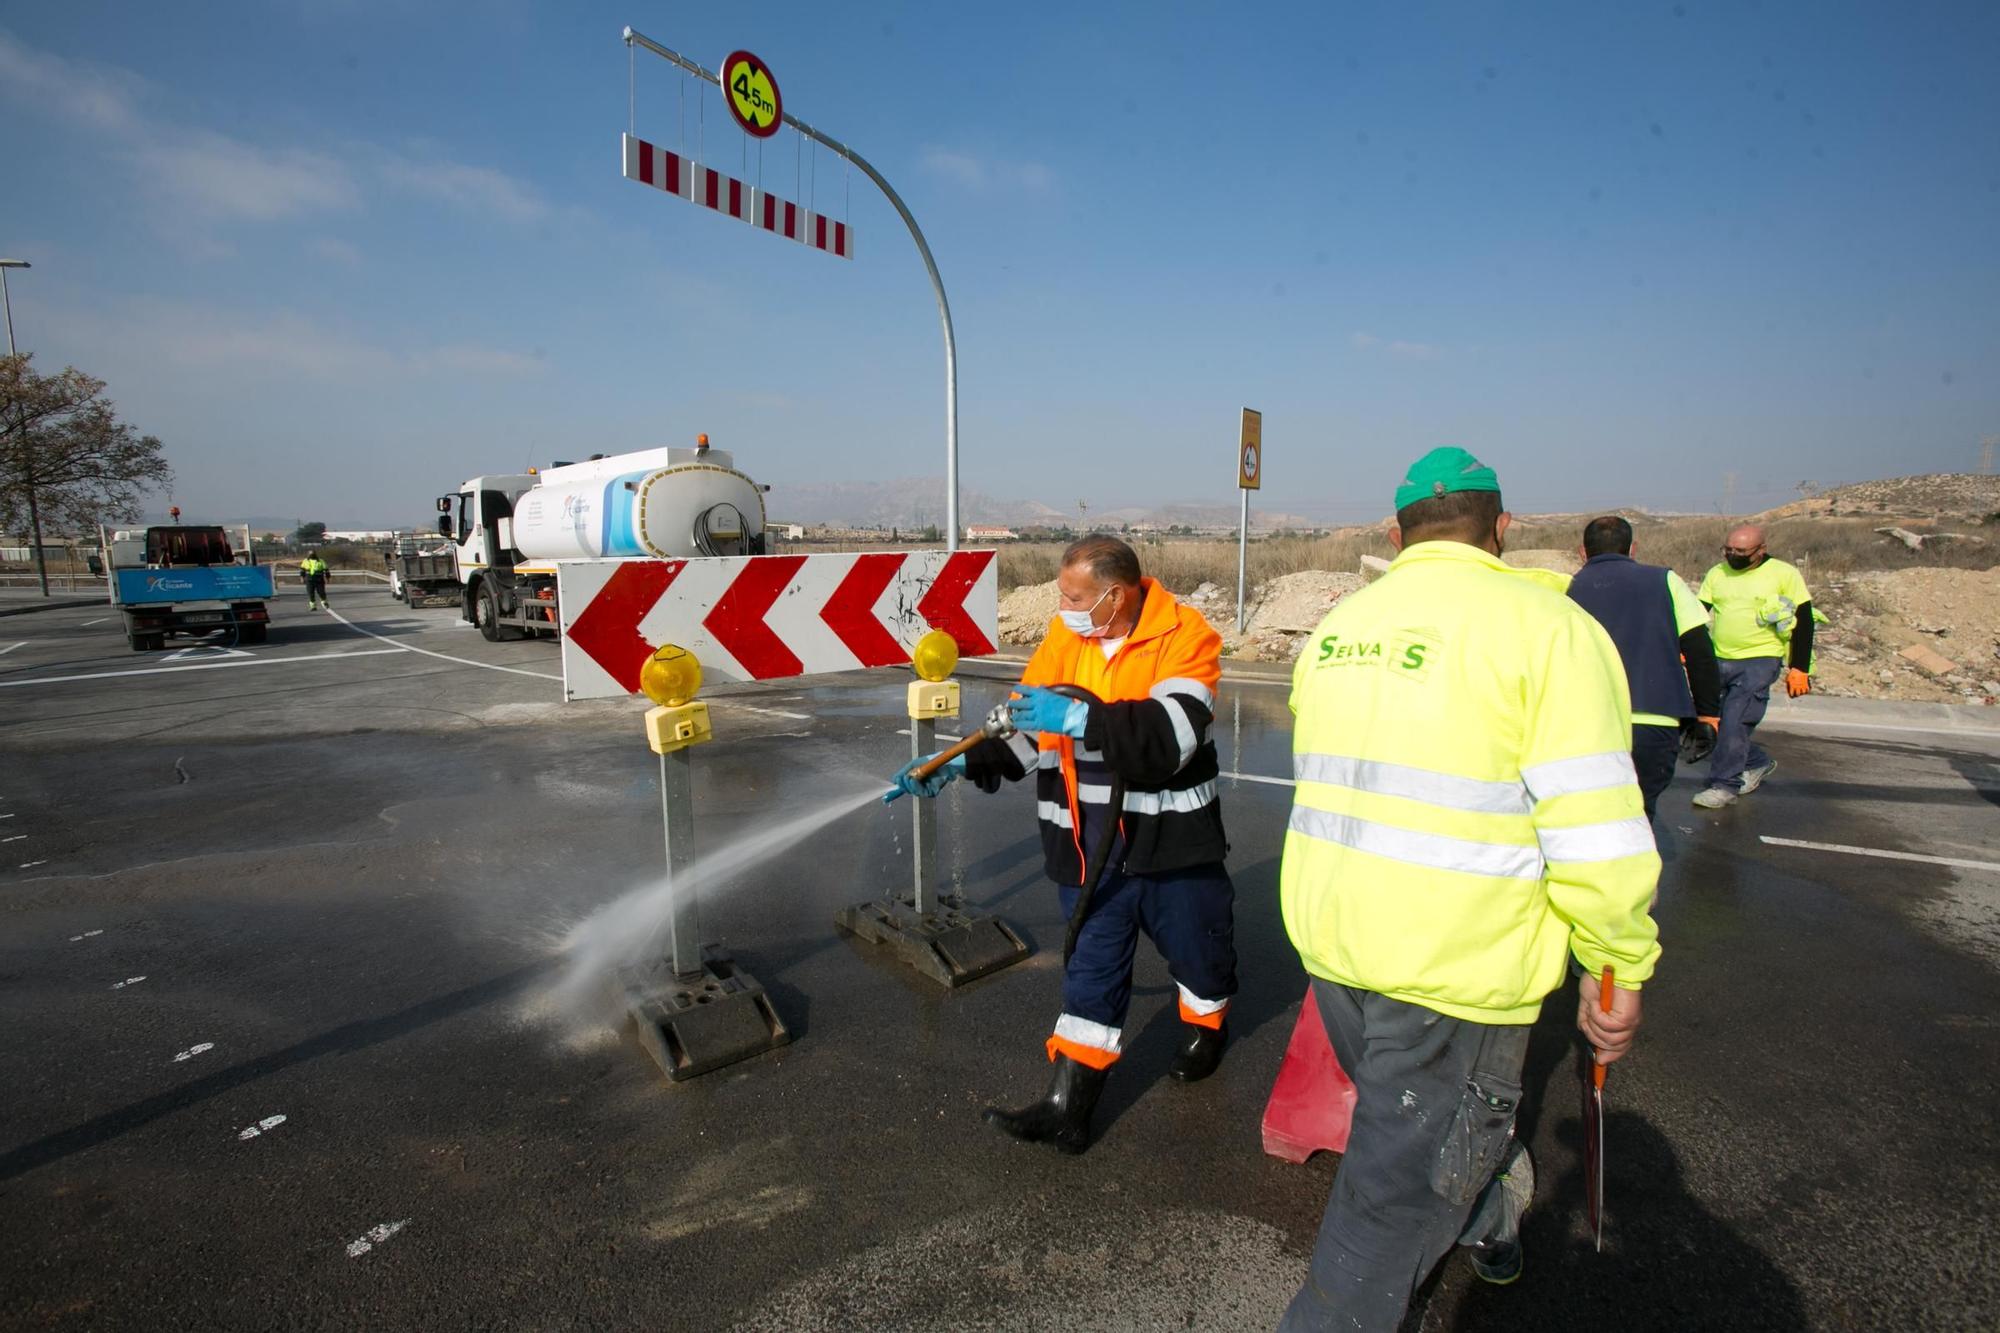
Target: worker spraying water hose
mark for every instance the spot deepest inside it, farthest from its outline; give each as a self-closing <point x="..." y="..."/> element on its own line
<point x="1111" y="717"/>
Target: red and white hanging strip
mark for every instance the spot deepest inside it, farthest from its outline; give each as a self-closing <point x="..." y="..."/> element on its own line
<point x="662" y="169"/>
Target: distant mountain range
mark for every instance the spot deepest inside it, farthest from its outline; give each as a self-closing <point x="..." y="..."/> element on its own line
<point x="910" y="502"/>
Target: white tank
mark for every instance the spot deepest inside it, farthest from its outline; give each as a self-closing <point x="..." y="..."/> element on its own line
<point x="609" y="507"/>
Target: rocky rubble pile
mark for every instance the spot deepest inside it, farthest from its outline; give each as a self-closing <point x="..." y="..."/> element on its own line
<point x="1926" y="635"/>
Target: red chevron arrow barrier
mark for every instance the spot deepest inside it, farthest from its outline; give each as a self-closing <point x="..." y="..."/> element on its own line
<point x="850" y="612"/>
<point x="764" y="617"/>
<point x="738" y="619"/>
<point x="944" y="605"/>
<point x="608" y="628"/>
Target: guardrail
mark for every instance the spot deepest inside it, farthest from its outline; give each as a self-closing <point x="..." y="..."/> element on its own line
<point x="67" y="582"/>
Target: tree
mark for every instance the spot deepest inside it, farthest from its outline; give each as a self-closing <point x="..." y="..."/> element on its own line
<point x="66" y="458"/>
<point x="310" y="533"/>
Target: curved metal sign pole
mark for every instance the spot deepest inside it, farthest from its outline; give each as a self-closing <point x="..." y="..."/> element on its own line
<point x="923" y="248"/>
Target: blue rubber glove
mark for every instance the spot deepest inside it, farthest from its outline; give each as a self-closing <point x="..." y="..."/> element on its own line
<point x="1044" y="710"/>
<point x="930" y="786"/>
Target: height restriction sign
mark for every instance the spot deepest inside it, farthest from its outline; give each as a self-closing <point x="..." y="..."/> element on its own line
<point x="1250" y="446"/>
<point x="751" y="91"/>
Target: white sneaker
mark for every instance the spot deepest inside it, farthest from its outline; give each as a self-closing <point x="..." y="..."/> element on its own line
<point x="1714" y="798"/>
<point x="1754" y="778"/>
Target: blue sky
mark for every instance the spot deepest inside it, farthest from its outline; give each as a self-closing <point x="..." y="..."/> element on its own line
<point x="340" y="258"/>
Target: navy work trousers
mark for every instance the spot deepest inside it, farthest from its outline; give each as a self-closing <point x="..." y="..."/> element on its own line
<point x="1746" y="693"/>
<point x="1188" y="914"/>
<point x="1655" y="752"/>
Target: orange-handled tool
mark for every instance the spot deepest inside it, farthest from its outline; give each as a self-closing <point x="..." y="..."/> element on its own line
<point x="1593" y="1125"/>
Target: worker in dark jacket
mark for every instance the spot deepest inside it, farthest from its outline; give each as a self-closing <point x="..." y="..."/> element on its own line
<point x="1125" y="788"/>
<point x="1661" y="629"/>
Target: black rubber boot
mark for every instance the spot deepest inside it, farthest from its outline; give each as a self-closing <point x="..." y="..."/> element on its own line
<point x="1200" y="1053"/>
<point x="1062" y="1116"/>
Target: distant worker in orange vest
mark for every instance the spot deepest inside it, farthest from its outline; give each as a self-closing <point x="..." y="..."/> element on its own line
<point x="1114" y="710"/>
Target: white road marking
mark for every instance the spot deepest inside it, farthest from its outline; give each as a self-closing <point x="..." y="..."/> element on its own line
<point x="375" y="1236"/>
<point x="129" y="981"/>
<point x="30" y="865"/>
<point x="462" y="661"/>
<point x="12" y="646"/>
<point x="10" y="817"/>
<point x="99" y="621"/>
<point x="1885" y="855"/>
<point x="264" y="1126"/>
<point x="1259" y="777"/>
<point x="194" y="1050"/>
<point x="14" y="837"/>
<point x="204" y="652"/>
<point x="942" y="735"/>
<point x="768" y="712"/>
<point x="1782" y="720"/>
<point x="207" y="666"/>
<point x="86" y="935"/>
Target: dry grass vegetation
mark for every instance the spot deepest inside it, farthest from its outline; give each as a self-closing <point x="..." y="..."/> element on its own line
<point x="1823" y="547"/>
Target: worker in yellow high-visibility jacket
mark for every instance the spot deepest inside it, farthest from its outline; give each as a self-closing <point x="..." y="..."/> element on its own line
<point x="1466" y="820"/>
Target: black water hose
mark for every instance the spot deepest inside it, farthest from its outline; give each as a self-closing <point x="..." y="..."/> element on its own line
<point x="1094" y="868"/>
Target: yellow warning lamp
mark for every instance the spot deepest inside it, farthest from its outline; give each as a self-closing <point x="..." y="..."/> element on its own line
<point x="936" y="656"/>
<point x="670" y="678"/>
<point x="934" y="694"/>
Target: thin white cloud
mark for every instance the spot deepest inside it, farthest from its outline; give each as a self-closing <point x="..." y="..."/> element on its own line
<point x="974" y="172"/>
<point x="216" y="178"/>
<point x="1403" y="349"/>
<point x="475" y="359"/>
<point x="481" y="190"/>
<point x="335" y="251"/>
<point x="98" y="99"/>
<point x="199" y="178"/>
<point x="197" y="340"/>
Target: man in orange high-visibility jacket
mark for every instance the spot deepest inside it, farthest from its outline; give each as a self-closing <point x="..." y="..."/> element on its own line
<point x="1131" y="824"/>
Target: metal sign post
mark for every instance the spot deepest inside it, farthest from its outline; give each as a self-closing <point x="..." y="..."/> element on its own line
<point x="1249" y="477"/>
<point x="756" y="115"/>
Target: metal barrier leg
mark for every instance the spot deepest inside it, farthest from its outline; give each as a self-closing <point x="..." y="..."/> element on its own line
<point x="694" y="1009"/>
<point x="933" y="932"/>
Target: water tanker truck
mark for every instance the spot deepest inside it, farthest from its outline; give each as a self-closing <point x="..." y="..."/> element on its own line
<point x="508" y="532"/>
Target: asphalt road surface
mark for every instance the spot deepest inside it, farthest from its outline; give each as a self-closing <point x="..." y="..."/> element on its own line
<point x="279" y="933"/>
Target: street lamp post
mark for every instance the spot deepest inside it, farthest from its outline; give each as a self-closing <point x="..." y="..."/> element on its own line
<point x="34" y="510"/>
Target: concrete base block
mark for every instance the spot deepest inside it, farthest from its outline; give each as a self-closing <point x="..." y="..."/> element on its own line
<point x="953" y="945"/>
<point x="703" y="1021"/>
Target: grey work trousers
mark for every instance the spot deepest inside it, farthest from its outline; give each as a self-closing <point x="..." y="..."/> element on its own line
<point x="1434" y="1116"/>
<point x="1746" y="693"/>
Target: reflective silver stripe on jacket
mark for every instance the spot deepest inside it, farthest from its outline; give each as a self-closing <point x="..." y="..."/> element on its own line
<point x="1150" y="802"/>
<point x="1434" y="850"/>
<point x="1589" y="772"/>
<point x="1448" y="790"/>
<point x="1598" y="842"/>
<point x="1054" y="813"/>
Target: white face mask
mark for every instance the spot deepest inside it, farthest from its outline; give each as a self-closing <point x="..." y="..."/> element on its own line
<point x="1084" y="623"/>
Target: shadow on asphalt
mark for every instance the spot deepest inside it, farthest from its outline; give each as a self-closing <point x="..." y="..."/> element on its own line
<point x="355" y="1036"/>
<point x="1668" y="1262"/>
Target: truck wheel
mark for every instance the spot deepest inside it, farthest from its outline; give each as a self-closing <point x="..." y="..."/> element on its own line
<point x="487" y="613"/>
<point x="148" y="643"/>
<point x="252" y="633"/>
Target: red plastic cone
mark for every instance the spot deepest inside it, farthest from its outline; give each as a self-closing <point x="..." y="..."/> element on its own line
<point x="1312" y="1103"/>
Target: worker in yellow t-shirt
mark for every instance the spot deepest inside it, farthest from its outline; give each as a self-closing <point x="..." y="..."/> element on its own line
<point x="1763" y="631"/>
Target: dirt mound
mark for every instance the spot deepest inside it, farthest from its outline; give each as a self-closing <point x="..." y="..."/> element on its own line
<point x="1954" y="613"/>
<point x="1934" y="495"/>
<point x="1296" y="603"/>
<point x="1562" y="562"/>
<point x="1025" y="613"/>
